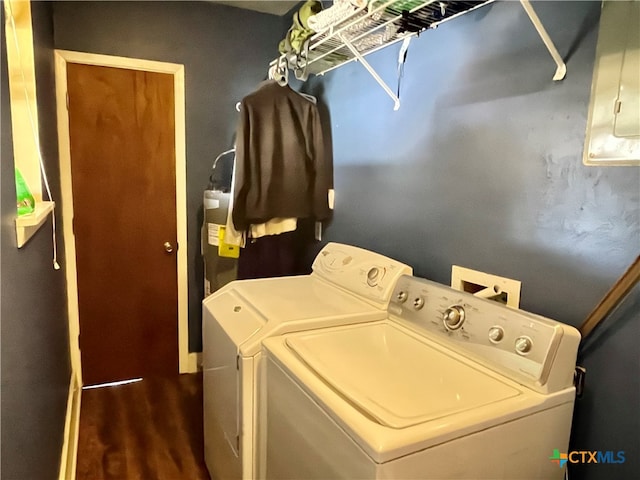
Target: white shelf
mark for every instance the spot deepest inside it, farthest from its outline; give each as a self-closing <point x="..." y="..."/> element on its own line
<point x="28" y="225"/>
<point x="381" y="23"/>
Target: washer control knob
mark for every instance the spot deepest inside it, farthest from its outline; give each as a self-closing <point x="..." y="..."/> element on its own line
<point x="402" y="296"/>
<point x="373" y="275"/>
<point x="523" y="345"/>
<point x="496" y="334"/>
<point x="453" y="317"/>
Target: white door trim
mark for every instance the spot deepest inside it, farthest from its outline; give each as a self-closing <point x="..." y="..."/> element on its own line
<point x="69" y="453"/>
<point x="187" y="362"/>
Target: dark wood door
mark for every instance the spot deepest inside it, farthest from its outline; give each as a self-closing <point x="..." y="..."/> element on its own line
<point x="122" y="137"/>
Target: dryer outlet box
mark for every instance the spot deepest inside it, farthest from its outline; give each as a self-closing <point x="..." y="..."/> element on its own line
<point x="486" y="285"/>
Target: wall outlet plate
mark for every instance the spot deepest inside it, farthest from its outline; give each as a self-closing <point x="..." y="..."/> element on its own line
<point x="486" y="285"/>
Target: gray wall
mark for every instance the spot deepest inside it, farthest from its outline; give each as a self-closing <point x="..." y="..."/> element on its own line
<point x="35" y="348"/>
<point x="226" y="52"/>
<point x="481" y="167"/>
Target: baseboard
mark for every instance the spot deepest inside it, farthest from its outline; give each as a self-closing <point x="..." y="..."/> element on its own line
<point x="68" y="456"/>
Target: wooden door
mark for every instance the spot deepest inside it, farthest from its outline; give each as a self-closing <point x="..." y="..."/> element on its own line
<point x="123" y="171"/>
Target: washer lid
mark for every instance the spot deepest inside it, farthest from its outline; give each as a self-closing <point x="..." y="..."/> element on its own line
<point x="395" y="377"/>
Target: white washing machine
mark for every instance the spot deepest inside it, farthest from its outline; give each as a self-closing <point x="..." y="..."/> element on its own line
<point x="348" y="285"/>
<point x="449" y="386"/>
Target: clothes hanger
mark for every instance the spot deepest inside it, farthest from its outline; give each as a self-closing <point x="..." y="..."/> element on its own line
<point x="279" y="72"/>
<point x="311" y="98"/>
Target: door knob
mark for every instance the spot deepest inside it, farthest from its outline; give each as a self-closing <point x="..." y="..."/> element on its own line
<point x="168" y="247"/>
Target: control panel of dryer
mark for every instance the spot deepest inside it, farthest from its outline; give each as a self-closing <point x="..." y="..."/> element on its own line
<point x="531" y="349"/>
<point x="362" y="272"/>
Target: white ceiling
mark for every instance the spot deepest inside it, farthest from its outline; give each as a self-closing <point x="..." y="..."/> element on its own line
<point x="274" y="7"/>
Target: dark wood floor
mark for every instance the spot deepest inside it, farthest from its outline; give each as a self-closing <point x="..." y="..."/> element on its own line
<point x="147" y="430"/>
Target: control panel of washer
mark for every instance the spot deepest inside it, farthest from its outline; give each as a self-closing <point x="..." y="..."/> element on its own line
<point x="513" y="341"/>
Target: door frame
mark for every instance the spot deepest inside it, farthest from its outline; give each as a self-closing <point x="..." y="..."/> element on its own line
<point x="188" y="362"/>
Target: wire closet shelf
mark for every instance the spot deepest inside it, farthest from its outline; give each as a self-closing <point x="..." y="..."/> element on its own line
<point x="376" y="24"/>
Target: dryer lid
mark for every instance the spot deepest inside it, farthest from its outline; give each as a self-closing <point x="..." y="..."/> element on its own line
<point x="397" y="378"/>
<point x="285" y="299"/>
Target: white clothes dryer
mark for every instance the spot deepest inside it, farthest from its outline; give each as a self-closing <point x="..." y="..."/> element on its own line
<point x="348" y="285"/>
<point x="449" y="386"/>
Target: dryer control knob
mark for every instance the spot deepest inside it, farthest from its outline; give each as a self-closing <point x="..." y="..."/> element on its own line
<point x="418" y="303"/>
<point x="453" y="317"/>
<point x="523" y="345"/>
<point x="373" y="275"/>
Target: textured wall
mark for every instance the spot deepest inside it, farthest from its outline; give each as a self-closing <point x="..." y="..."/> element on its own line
<point x="225" y="51"/>
<point x="35" y="346"/>
<point x="481" y="167"/>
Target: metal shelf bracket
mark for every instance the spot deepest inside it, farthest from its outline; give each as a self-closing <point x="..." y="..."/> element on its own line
<point x="374" y="74"/>
<point x="561" y="69"/>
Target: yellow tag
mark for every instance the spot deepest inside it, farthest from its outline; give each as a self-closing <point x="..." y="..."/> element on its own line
<point x="224" y="249"/>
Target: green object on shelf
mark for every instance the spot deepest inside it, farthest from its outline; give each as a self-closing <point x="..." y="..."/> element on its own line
<point x="396" y="8"/>
<point x="25" y="202"/>
<point x="300" y="32"/>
